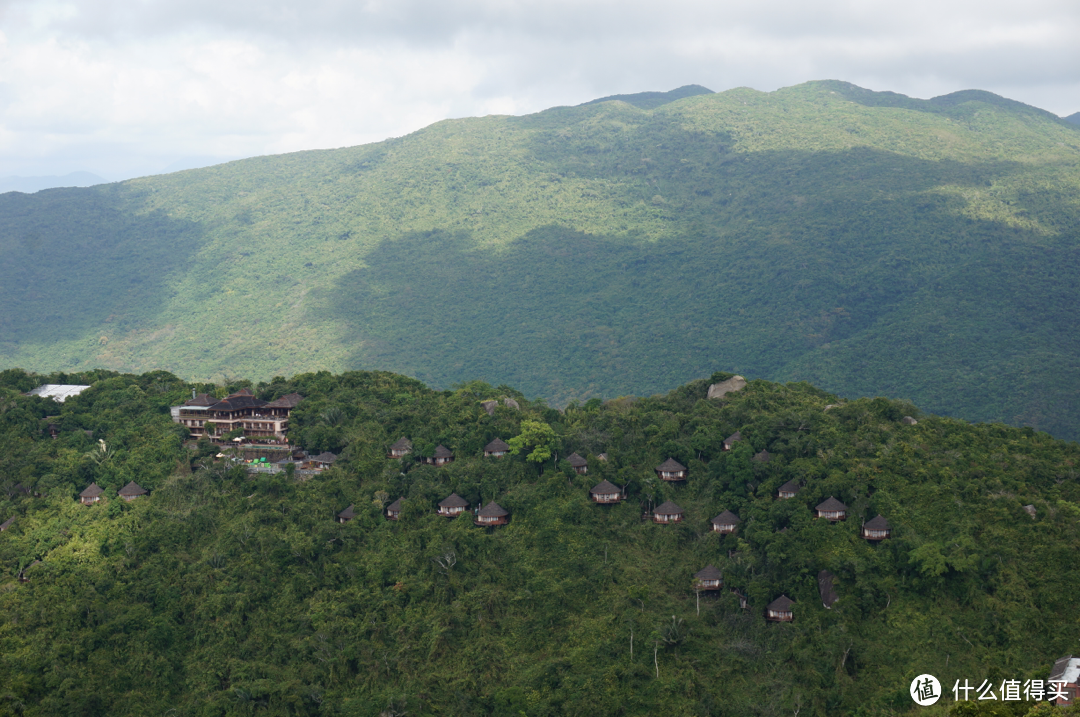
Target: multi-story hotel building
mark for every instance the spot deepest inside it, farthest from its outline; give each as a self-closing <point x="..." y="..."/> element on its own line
<point x="258" y="418"/>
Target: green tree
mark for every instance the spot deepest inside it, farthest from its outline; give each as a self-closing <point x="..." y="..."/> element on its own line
<point x="538" y="436"/>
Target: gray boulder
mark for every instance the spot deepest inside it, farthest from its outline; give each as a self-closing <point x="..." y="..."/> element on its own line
<point x="719" y="390"/>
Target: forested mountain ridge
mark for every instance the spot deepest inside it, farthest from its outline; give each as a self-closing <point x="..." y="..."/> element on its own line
<point x="868" y="242"/>
<point x="228" y="593"/>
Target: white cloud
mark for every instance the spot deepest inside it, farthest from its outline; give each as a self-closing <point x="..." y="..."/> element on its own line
<point x="128" y="87"/>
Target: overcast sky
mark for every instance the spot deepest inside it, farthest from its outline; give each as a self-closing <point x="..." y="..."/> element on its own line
<point x="125" y="88"/>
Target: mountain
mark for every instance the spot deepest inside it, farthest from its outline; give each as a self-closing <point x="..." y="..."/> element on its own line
<point x="28" y="185"/>
<point x="652" y="100"/>
<point x="868" y="242"/>
<point x="226" y="592"/>
<point x="1074" y="118"/>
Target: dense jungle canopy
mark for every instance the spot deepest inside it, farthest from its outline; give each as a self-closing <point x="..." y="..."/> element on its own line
<point x="225" y="592"/>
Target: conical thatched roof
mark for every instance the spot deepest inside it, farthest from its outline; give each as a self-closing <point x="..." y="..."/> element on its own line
<point x="576" y="461"/>
<point x="92" y="491"/>
<point x="326" y="457"/>
<point x="493" y="510"/>
<point x="497" y="446"/>
<point x="402" y="444"/>
<point x="668" y="508"/>
<point x="454" y="501"/>
<point x="736" y="436"/>
<point x="790" y="487"/>
<point x="709" y="572"/>
<point x="878" y="523"/>
<point x="605" y="487"/>
<point x="132" y="488"/>
<point x="347" y="514"/>
<point x="671" y="466"/>
<point x="395" y="507"/>
<point x="442" y="451"/>
<point x="781" y="604"/>
<point x="762" y="457"/>
<point x="831" y="505"/>
<point x="726" y="518"/>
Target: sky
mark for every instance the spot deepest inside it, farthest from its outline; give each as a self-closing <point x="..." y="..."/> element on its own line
<point x="126" y="88"/>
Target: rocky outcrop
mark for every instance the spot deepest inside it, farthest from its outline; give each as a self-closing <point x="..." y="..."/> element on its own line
<point x="719" y="390"/>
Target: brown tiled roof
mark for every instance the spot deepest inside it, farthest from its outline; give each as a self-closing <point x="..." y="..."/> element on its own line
<point x="236" y="402"/>
<point x="326" y="457"/>
<point x="605" y="487"/>
<point x="709" y="572"/>
<point x="7" y="523"/>
<point x="790" y="487"/>
<point x="92" y="491"/>
<point x="671" y="465"/>
<point x="241" y="392"/>
<point x="762" y="457"/>
<point x="395" y="507"/>
<point x="289" y="400"/>
<point x="203" y="399"/>
<point x="726" y="518"/>
<point x="496" y="446"/>
<point x="668" y="508"/>
<point x="831" y="504"/>
<point x="132" y="488"/>
<point x="576" y="461"/>
<point x="493" y="510"/>
<point x="402" y="444"/>
<point x="878" y="523"/>
<point x="826" y="589"/>
<point x="442" y="451"/>
<point x="454" y="501"/>
<point x="348" y="513"/>
<point x="736" y="436"/>
<point x="781" y="604"/>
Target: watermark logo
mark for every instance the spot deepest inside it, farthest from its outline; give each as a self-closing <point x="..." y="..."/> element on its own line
<point x="925" y="690"/>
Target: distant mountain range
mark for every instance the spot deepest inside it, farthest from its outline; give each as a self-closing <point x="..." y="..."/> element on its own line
<point x="29" y="185"/>
<point x="866" y="241"/>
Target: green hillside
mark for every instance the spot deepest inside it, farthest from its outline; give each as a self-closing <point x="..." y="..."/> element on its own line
<point x="870" y="243"/>
<point x="228" y="593"/>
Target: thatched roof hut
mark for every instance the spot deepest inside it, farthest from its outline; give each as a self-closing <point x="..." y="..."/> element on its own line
<point x="667" y="512"/>
<point x="762" y="457"/>
<point x="346" y="515"/>
<point x="442" y="455"/>
<point x="831" y="509"/>
<point x="496" y="449"/>
<point x="492" y="514"/>
<point x="876" y="529"/>
<point x="606" y="493"/>
<point x="708" y="578"/>
<point x="671" y="470"/>
<point x="323" y="460"/>
<point x="132" y="491"/>
<point x="779" y="610"/>
<point x="788" y="490"/>
<point x="731" y="440"/>
<point x="725" y="523"/>
<point x="401" y="448"/>
<point x="393" y="511"/>
<point x="579" y="464"/>
<point x="452" y="506"/>
<point x="91" y="495"/>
